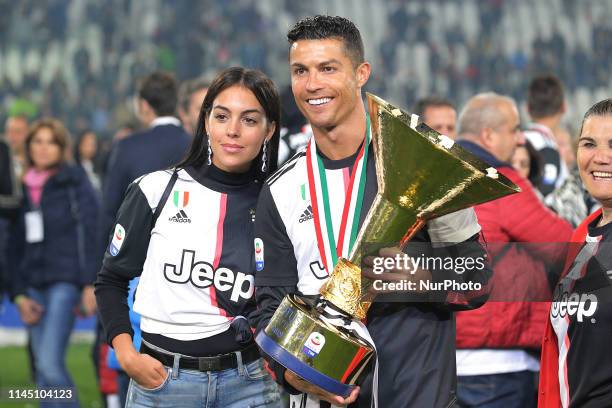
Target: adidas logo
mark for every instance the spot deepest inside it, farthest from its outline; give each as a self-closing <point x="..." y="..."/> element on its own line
<point x="306" y="215"/>
<point x="180" y="217"/>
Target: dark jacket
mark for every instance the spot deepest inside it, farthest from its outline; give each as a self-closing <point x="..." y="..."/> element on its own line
<point x="143" y="152"/>
<point x="10" y="197"/>
<point x="69" y="251"/>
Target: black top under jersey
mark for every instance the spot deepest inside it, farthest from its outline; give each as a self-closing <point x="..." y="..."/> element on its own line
<point x="581" y="315"/>
<point x="415" y="341"/>
<point x="199" y="271"/>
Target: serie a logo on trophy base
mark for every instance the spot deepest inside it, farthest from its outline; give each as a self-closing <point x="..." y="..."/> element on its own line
<point x="421" y="175"/>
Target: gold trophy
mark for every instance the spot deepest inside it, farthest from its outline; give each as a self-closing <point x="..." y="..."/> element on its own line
<point x="421" y="175"/>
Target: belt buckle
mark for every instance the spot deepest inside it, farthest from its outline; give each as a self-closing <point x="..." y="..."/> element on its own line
<point x="206" y="364"/>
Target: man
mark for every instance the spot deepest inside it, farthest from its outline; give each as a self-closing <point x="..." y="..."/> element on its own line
<point x="15" y="133"/>
<point x="493" y="363"/>
<point x="161" y="144"/>
<point x="10" y="198"/>
<point x="191" y="95"/>
<point x="328" y="71"/>
<point x="546" y="107"/>
<point x="563" y="191"/>
<point x="437" y="113"/>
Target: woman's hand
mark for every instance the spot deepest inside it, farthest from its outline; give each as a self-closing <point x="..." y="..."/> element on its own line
<point x="308" y="388"/>
<point x="29" y="310"/>
<point x="142" y="368"/>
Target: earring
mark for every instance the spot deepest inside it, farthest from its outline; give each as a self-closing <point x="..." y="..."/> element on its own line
<point x="209" y="152"/>
<point x="264" y="157"/>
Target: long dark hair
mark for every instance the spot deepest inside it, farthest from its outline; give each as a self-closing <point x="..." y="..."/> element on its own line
<point x="267" y="95"/>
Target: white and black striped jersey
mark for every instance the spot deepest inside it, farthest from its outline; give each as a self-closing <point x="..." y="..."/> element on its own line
<point x="411" y="338"/>
<point x="555" y="170"/>
<point x="195" y="265"/>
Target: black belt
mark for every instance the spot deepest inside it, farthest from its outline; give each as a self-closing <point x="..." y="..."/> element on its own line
<point x="212" y="363"/>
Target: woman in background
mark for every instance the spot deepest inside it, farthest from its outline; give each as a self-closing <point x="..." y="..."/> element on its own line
<point x="55" y="251"/>
<point x="86" y="151"/>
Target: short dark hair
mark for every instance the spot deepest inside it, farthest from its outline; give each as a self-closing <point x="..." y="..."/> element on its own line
<point x="430" y="101"/>
<point x="327" y="27"/>
<point x="601" y="108"/>
<point x="159" y="89"/>
<point x="188" y="88"/>
<point x="544" y="96"/>
<point x="267" y="95"/>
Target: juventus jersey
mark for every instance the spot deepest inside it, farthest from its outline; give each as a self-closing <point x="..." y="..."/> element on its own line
<point x="411" y="339"/>
<point x="196" y="264"/>
<point x="581" y="316"/>
<point x="555" y="170"/>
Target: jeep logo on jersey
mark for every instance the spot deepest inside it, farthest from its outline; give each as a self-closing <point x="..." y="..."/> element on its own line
<point x="180" y="199"/>
<point x="565" y="304"/>
<point x="202" y="274"/>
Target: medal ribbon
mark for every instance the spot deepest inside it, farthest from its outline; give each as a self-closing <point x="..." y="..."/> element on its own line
<point x="353" y="200"/>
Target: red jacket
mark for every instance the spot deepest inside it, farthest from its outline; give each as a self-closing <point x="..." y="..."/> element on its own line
<point x="549" y="395"/>
<point x="519" y="270"/>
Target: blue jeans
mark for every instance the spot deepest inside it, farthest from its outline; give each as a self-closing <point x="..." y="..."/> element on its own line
<point x="507" y="390"/>
<point x="50" y="337"/>
<point x="248" y="385"/>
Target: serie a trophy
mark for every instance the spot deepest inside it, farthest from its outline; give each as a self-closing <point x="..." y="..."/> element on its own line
<point x="421" y="175"/>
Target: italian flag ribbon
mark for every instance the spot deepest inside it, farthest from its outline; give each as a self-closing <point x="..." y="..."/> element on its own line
<point x="330" y="249"/>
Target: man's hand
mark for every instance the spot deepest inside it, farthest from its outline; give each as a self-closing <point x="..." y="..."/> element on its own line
<point x="308" y="388"/>
<point x="29" y="310"/>
<point x="88" y="301"/>
<point x="401" y="271"/>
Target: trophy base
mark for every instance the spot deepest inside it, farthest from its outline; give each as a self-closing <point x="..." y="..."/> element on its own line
<point x="303" y="370"/>
<point x="320" y="353"/>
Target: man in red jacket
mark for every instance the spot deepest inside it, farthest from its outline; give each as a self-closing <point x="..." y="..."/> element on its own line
<point x="494" y="366"/>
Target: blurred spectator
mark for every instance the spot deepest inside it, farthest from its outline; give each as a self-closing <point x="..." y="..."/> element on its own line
<point x="437" y="113"/>
<point x="10" y="198"/>
<point x="56" y="51"/>
<point x="528" y="164"/>
<point x="163" y="143"/>
<point x="567" y="148"/>
<point x="85" y="154"/>
<point x="190" y="97"/>
<point x="493" y="363"/>
<point x="15" y="133"/>
<point x="563" y="191"/>
<point x="546" y="106"/>
<point x="55" y="250"/>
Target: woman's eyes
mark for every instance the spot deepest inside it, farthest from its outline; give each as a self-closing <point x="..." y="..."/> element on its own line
<point x="221" y="117"/>
<point x="587" y="144"/>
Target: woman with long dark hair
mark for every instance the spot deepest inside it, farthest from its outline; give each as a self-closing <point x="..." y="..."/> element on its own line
<point x="188" y="233"/>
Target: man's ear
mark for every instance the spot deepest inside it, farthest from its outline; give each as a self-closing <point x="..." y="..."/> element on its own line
<point x="487" y="137"/>
<point x="362" y="73"/>
<point x="144" y="108"/>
